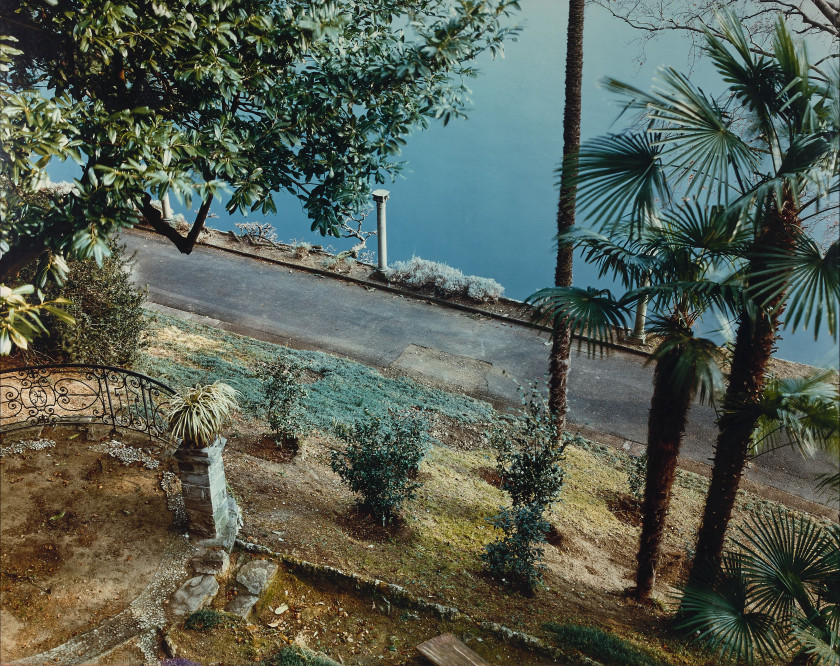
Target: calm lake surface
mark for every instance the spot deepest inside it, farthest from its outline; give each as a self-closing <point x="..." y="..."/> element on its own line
<point x="479" y="194"/>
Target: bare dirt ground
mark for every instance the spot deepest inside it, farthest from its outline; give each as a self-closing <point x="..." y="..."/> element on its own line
<point x="82" y="535"/>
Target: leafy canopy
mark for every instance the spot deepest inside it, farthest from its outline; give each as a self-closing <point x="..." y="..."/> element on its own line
<point x="196" y="98"/>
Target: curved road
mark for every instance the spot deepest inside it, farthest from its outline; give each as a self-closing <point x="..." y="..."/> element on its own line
<point x="480" y="356"/>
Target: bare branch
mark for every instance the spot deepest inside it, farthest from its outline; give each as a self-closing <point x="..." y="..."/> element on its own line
<point x="358" y="233"/>
<point x="155" y="219"/>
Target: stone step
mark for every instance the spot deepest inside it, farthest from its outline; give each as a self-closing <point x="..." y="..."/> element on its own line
<point x="252" y="580"/>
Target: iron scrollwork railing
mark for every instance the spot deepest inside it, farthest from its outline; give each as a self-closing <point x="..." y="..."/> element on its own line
<point x="77" y="393"/>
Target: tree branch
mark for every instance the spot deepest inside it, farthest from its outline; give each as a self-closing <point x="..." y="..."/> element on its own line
<point x="155" y="219"/>
<point x="832" y="14"/>
<point x="19" y="256"/>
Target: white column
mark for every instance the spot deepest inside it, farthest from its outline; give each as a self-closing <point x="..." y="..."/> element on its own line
<point x="380" y="197"/>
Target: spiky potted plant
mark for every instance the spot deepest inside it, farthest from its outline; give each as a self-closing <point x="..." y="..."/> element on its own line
<point x="196" y="419"/>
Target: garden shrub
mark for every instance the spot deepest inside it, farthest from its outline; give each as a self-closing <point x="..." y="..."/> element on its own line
<point x="284" y="391"/>
<point x="529" y="465"/>
<point x="445" y="280"/>
<point x="381" y="460"/>
<point x="637" y="475"/>
<point x="203" y="619"/>
<point x="600" y="645"/>
<point x="295" y="656"/>
<point x="108" y="309"/>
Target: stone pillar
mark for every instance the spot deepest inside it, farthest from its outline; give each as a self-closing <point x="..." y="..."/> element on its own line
<point x="380" y="197"/>
<point x="209" y="509"/>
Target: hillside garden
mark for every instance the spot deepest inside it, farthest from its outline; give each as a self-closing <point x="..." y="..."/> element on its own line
<point x="394" y="511"/>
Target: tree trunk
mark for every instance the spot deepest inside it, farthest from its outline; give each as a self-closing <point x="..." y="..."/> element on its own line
<point x="754" y="344"/>
<point x="666" y="426"/>
<point x="560" y="348"/>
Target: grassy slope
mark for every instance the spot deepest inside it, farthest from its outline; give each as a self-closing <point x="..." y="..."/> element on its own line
<point x="448" y="518"/>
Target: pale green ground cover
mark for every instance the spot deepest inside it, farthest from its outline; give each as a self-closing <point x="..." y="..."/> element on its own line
<point x="183" y="353"/>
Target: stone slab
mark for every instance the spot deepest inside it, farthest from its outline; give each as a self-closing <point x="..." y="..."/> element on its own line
<point x="212" y="563"/>
<point x="194" y="595"/>
<point x="242" y="605"/>
<point x="256" y="575"/>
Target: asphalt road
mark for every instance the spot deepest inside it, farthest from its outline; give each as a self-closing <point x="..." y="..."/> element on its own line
<point x="480" y="356"/>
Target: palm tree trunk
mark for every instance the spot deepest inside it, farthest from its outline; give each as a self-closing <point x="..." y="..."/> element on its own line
<point x="754" y="345"/>
<point x="561" y="343"/>
<point x="666" y="427"/>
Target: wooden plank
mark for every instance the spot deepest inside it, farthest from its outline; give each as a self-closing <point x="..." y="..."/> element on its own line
<point x="446" y="650"/>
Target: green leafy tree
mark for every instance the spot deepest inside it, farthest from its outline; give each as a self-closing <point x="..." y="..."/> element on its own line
<point x="244" y="97"/>
<point x="20" y="319"/>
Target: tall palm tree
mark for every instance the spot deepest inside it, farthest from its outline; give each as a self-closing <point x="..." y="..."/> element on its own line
<point x="764" y="159"/>
<point x="561" y="341"/>
<point x="793" y="113"/>
<point x="664" y="259"/>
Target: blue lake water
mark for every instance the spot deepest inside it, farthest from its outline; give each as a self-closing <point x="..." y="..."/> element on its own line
<point x="480" y="194"/>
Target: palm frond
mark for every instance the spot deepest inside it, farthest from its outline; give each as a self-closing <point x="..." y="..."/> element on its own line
<point x="784" y="563"/>
<point x="753" y="80"/>
<point x="697" y="359"/>
<point x="619" y="256"/>
<point x="698" y="142"/>
<point x="797" y="89"/>
<point x="593" y="313"/>
<point x="810" y="160"/>
<point x="727" y="296"/>
<point x="822" y="647"/>
<point x="712" y="231"/>
<point x="802" y="411"/>
<point x="829" y="483"/>
<point x="619" y="174"/>
<point x="811" y="279"/>
<point x="722" y="615"/>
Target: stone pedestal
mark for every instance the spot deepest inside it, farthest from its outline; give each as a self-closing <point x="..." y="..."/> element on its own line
<point x="211" y="512"/>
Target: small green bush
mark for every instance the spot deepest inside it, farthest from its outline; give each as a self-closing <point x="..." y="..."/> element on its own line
<point x="381" y="458"/>
<point x="637" y="475"/>
<point x="292" y="656"/>
<point x="516" y="558"/>
<point x="529" y="464"/>
<point x="283" y="390"/>
<point x="107" y="307"/>
<point x="203" y="619"/>
<point x="600" y="645"/>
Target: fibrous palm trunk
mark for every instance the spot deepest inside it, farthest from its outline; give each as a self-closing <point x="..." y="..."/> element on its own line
<point x="666" y="426"/>
<point x="561" y="342"/>
<point x="754" y="345"/>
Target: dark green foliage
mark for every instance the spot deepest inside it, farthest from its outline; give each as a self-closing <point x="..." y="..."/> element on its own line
<point x="283" y="394"/>
<point x="778" y="592"/>
<point x="291" y="656"/>
<point x="108" y="310"/>
<point x="637" y="474"/>
<point x="381" y="458"/>
<point x="204" y="619"/>
<point x="516" y="557"/>
<point x="528" y="463"/>
<point x="599" y="645"/>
